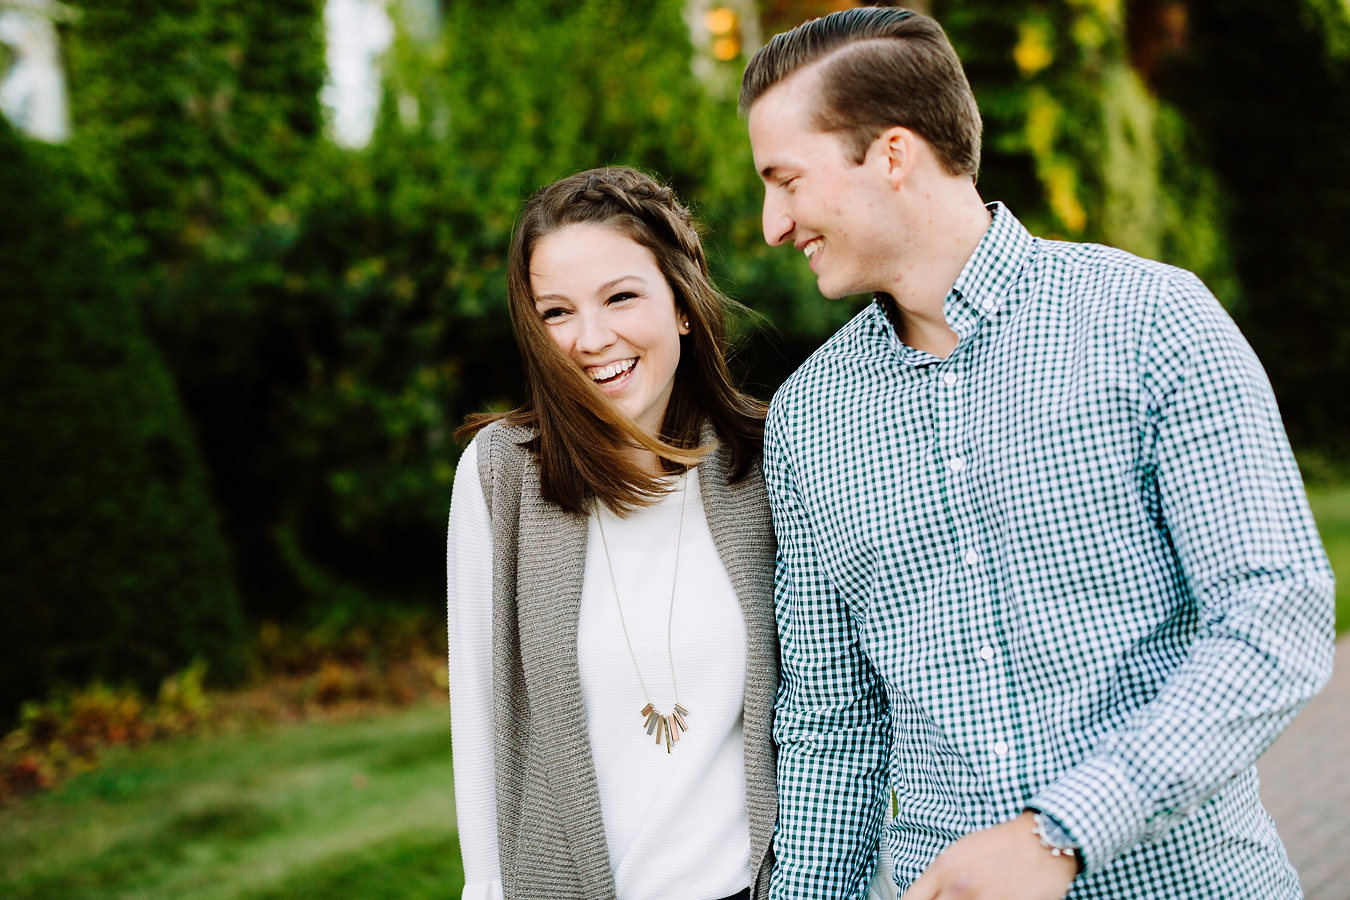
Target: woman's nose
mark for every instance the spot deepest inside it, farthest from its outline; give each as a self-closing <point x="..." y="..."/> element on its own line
<point x="594" y="333"/>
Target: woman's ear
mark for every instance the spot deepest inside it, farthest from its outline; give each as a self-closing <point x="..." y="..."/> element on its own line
<point x="683" y="324"/>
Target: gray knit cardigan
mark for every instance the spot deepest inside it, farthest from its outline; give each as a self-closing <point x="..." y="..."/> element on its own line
<point x="549" y="828"/>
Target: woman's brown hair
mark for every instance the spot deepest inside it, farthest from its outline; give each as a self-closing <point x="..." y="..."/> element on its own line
<point x="583" y="441"/>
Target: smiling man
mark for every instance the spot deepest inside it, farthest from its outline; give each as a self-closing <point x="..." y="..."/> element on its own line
<point x="1045" y="566"/>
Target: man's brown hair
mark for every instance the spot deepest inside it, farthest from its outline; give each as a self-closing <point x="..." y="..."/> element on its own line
<point x="582" y="439"/>
<point x="881" y="68"/>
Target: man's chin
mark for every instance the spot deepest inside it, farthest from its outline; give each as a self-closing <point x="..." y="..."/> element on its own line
<point x="836" y="291"/>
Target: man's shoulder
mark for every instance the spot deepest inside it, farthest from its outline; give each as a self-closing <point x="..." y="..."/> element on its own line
<point x="853" y="346"/>
<point x="1099" y="262"/>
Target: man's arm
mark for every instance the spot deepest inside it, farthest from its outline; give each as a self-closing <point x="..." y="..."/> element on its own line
<point x="1232" y="502"/>
<point x="832" y="723"/>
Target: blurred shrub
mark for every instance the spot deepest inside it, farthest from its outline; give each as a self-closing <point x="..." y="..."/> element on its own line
<point x="351" y="662"/>
<point x="66" y="734"/>
<point x="112" y="564"/>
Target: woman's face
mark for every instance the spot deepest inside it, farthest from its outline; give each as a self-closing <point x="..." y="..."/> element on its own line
<point x="604" y="301"/>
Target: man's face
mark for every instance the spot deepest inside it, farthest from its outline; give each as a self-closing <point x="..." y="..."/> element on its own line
<point x="817" y="198"/>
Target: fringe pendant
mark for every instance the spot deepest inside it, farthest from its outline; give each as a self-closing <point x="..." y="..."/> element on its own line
<point x="666" y="727"/>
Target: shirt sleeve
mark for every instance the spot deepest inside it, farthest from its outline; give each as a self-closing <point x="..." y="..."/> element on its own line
<point x="1231" y="501"/>
<point x="832" y="724"/>
<point x="468" y="560"/>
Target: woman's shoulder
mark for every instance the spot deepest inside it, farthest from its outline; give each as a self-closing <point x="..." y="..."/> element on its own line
<point x="501" y="455"/>
<point x="502" y="441"/>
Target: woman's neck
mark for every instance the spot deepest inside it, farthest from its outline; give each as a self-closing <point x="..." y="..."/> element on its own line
<point x="646" y="460"/>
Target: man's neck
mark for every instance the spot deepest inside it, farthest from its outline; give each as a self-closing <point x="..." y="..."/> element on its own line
<point x="946" y="227"/>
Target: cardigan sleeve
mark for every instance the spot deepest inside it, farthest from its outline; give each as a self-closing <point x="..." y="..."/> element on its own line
<point x="468" y="560"/>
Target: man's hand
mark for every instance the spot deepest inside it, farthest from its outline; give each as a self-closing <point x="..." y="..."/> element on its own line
<point x="1006" y="862"/>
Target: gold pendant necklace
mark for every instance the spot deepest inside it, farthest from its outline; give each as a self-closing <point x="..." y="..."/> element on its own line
<point x="666" y="726"/>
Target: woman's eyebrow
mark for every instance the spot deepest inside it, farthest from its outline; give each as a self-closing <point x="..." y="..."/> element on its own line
<point x="600" y="290"/>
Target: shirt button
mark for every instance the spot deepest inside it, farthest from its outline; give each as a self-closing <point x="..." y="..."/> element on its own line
<point x="949" y="378"/>
<point x="956" y="464"/>
<point x="972" y="558"/>
<point x="987" y="304"/>
<point x="986" y="653"/>
<point x="1001" y="748"/>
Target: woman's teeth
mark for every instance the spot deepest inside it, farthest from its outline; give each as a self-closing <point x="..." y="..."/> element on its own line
<point x="611" y="371"/>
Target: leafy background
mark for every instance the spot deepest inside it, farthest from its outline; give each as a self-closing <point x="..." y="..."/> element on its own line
<point x="233" y="354"/>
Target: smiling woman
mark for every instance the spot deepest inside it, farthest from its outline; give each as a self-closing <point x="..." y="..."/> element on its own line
<point x="613" y="654"/>
<point x="593" y="442"/>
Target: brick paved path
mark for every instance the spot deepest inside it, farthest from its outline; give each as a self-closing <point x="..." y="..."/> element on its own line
<point x="1305" y="784"/>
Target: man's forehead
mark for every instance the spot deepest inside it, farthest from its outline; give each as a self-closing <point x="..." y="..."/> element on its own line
<point x="783" y="129"/>
<point x="797" y="92"/>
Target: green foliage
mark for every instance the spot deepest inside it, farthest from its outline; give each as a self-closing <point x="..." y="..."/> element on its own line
<point x="1074" y="141"/>
<point x="1269" y="92"/>
<point x="198" y="111"/>
<point x="112" y="565"/>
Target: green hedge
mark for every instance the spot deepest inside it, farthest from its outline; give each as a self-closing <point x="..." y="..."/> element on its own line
<point x="112" y="565"/>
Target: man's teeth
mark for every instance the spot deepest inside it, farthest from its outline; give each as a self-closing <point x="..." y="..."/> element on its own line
<point x="605" y="373"/>
<point x="812" y="248"/>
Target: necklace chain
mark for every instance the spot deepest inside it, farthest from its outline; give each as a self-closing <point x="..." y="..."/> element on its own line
<point x="665" y="726"/>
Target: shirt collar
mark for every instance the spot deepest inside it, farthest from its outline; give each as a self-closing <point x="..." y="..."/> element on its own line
<point x="994" y="266"/>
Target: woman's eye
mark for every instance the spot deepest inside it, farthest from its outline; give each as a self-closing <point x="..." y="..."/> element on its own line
<point x="622" y="296"/>
<point x="553" y="312"/>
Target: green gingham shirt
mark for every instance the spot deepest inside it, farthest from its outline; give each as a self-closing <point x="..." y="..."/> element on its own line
<point x="1069" y="567"/>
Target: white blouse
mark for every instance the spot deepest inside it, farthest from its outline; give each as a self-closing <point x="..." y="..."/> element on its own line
<point x="671" y="819"/>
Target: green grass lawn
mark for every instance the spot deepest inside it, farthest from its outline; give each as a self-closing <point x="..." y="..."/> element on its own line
<point x="1332" y="510"/>
<point x="356" y="809"/>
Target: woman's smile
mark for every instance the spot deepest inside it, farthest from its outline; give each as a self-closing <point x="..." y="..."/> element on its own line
<point x="613" y="377"/>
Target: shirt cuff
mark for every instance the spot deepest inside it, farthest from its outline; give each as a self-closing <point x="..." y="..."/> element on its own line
<point x="483" y="890"/>
<point x="1100" y="808"/>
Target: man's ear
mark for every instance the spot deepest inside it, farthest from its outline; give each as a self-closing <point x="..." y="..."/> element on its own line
<point x="899" y="149"/>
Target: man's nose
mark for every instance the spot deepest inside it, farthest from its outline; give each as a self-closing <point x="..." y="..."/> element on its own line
<point x="777" y="223"/>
